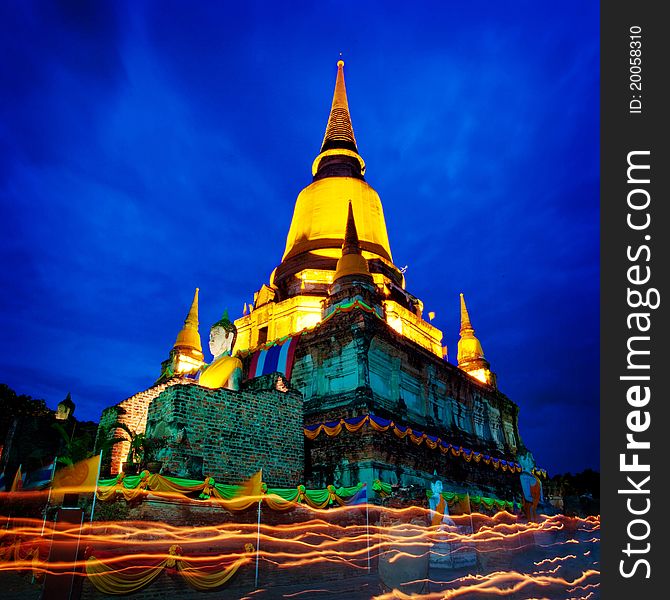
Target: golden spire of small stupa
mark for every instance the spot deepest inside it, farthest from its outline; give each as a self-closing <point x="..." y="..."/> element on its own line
<point x="465" y="317"/>
<point x="350" y="245"/>
<point x="339" y="131"/>
<point x="189" y="337"/>
<point x="469" y="347"/>
<point x="352" y="261"/>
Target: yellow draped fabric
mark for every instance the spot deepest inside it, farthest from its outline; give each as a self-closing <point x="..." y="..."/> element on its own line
<point x="417" y="439"/>
<point x="158" y="484"/>
<point x="357" y="426"/>
<point x="334" y="428"/>
<point x="378" y="427"/>
<point x="313" y="434"/>
<point x="232" y="498"/>
<point x="331" y="431"/>
<point x="276" y="502"/>
<point x="107" y="579"/>
<point x="204" y="581"/>
<point x="313" y="498"/>
<point x="119" y="490"/>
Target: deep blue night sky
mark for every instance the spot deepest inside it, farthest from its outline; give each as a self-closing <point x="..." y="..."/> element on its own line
<point x="151" y="147"/>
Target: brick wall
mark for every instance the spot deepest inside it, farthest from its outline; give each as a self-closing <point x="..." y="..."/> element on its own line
<point x="355" y="364"/>
<point x="231" y="434"/>
<point x="133" y="413"/>
<point x="355" y="350"/>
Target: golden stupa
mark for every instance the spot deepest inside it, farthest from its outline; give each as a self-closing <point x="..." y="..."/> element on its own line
<point x="189" y="338"/>
<point x="320" y="211"/>
<point x="470" y="353"/>
<point x="187" y="349"/>
<point x="292" y="300"/>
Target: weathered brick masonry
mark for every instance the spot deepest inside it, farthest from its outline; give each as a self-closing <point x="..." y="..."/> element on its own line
<point x="229" y="435"/>
<point x="131" y="412"/>
<point x="355" y="364"/>
<point x="343" y="459"/>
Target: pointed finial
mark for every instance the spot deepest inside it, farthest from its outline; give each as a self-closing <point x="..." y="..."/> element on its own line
<point x="189" y="337"/>
<point x="351" y="245"/>
<point x="352" y="261"/>
<point x="225" y="322"/>
<point x="192" y="317"/>
<point x="465" y="317"/>
<point x="469" y="347"/>
<point x="339" y="130"/>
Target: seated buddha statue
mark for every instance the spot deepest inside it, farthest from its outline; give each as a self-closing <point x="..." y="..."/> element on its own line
<point x="225" y="371"/>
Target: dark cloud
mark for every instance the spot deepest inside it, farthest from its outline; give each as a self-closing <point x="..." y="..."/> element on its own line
<point x="151" y="148"/>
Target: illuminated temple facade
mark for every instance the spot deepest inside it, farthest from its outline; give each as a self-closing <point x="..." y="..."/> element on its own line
<point x="362" y="348"/>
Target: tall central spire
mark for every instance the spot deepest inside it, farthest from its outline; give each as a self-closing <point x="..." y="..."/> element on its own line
<point x="339" y="131"/>
<point x="317" y="228"/>
<point x="329" y="254"/>
<point x="339" y="155"/>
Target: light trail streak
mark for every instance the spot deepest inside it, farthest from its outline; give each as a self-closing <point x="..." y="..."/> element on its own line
<point x="310" y="591"/>
<point x="494" y="584"/>
<point x="548" y="571"/>
<point x="394" y="535"/>
<point x="553" y="560"/>
<point x="583" y="588"/>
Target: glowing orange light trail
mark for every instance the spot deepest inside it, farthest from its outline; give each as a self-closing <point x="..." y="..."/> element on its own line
<point x="124" y="549"/>
<point x="511" y="582"/>
<point x="553" y="560"/>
